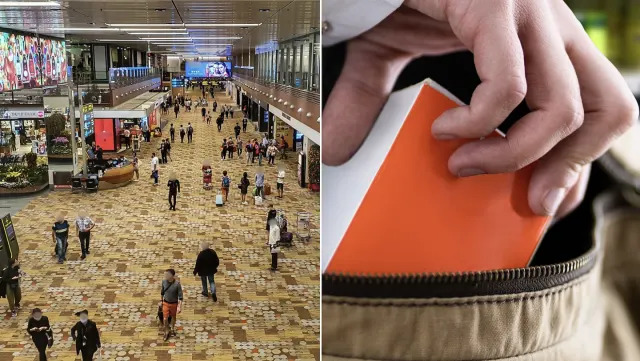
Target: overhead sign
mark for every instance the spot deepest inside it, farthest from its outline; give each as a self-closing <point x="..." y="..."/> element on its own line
<point x="21" y="113"/>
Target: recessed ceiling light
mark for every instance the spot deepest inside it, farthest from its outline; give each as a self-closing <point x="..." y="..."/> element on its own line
<point x="155" y="30"/>
<point x="206" y="25"/>
<point x="265" y="10"/>
<point x="160" y="9"/>
<point x="85" y="29"/>
<point x="147" y="33"/>
<point x="31" y="3"/>
<point x="145" y="25"/>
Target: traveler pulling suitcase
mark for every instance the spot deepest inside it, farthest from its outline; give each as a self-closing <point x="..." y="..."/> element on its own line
<point x="219" y="199"/>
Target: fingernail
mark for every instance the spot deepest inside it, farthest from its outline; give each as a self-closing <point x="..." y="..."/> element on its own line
<point x="468" y="172"/>
<point x="444" y="136"/>
<point x="553" y="199"/>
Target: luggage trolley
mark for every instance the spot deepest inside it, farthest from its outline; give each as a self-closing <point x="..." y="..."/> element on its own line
<point x="302" y="223"/>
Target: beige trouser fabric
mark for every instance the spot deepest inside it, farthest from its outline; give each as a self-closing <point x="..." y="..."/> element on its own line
<point x="593" y="318"/>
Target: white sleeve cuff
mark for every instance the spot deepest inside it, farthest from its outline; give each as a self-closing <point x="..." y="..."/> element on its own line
<point x="346" y="19"/>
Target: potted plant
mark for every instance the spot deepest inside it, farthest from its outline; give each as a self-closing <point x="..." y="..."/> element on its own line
<point x="58" y="138"/>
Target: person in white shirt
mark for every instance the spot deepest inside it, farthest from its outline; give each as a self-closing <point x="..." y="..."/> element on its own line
<point x="84" y="225"/>
<point x="274" y="237"/>
<point x="280" y="181"/>
<point x="154" y="168"/>
<point x="580" y="103"/>
<point x="127" y="138"/>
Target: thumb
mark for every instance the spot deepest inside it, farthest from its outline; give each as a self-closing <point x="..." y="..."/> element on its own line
<point x="369" y="73"/>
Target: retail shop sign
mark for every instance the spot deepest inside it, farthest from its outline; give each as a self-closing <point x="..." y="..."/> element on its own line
<point x="21" y="113"/>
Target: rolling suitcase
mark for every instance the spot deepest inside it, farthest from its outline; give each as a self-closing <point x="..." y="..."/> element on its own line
<point x="286" y="238"/>
<point x="219" y="199"/>
<point x="267" y="189"/>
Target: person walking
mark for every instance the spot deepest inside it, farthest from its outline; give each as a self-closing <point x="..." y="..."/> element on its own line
<point x="163" y="152"/>
<point x="223" y="149"/>
<point x="127" y="138"/>
<point x="167" y="145"/>
<point x="262" y="152"/>
<point x="280" y="181"/>
<point x="256" y="152"/>
<point x="135" y="163"/>
<point x="189" y="133"/>
<point x="206" y="267"/>
<point x="231" y="111"/>
<point x="244" y="124"/>
<point x="215" y="105"/>
<point x="84" y="225"/>
<point x="11" y="278"/>
<point x="239" y="145"/>
<point x="60" y="234"/>
<point x="226" y="183"/>
<point x="182" y="133"/>
<point x="274" y="238"/>
<point x="283" y="148"/>
<point x="236" y="129"/>
<point x="86" y="336"/>
<point x="154" y="168"/>
<point x="171" y="301"/>
<point x="176" y="109"/>
<point x="172" y="133"/>
<point x="203" y="111"/>
<point x="219" y="121"/>
<point x="244" y="187"/>
<point x="260" y="183"/>
<point x="271" y="154"/>
<point x="174" y="189"/>
<point x="40" y="331"/>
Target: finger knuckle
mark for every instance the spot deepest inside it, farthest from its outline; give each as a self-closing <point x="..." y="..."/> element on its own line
<point x="573" y="117"/>
<point x="516" y="89"/>
<point x="626" y="115"/>
<point x="517" y="158"/>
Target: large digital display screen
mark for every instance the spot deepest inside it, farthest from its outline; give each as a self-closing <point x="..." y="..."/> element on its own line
<point x="28" y="62"/>
<point x="208" y="69"/>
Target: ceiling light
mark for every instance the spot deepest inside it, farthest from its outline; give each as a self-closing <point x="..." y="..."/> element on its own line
<point x="264" y="10"/>
<point x="32" y="3"/>
<point x="216" y="37"/>
<point x="145" y="25"/>
<point x="166" y="38"/>
<point x="84" y="29"/>
<point x="116" y="40"/>
<point x="206" y="25"/>
<point x="158" y="33"/>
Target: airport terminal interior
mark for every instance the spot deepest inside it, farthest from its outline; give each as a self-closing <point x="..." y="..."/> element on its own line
<point x="126" y="73"/>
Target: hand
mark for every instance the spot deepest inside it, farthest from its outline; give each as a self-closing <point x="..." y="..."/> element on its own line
<point x="579" y="102"/>
<point x="179" y="309"/>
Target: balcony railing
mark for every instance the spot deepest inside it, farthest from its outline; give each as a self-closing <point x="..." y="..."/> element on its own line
<point x="311" y="97"/>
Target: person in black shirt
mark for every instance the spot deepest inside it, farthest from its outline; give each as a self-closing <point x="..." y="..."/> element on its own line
<point x="271" y="215"/>
<point x="182" y="133"/>
<point x="176" y="109"/>
<point x="206" y="267"/>
<point x="189" y="133"/>
<point x="60" y="234"/>
<point x="11" y="277"/>
<point x="172" y="132"/>
<point x="244" y="125"/>
<point x="99" y="153"/>
<point x="236" y="129"/>
<point x="40" y="331"/>
<point x="203" y="111"/>
<point x="85" y="334"/>
<point x="163" y="152"/>
<point x="174" y="189"/>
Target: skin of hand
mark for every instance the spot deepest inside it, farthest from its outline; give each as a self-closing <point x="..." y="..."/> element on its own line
<point x="535" y="51"/>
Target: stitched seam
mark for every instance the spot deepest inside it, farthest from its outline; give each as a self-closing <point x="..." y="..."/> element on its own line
<point x="450" y="303"/>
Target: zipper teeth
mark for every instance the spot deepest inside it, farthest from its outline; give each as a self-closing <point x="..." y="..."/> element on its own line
<point x="464" y="277"/>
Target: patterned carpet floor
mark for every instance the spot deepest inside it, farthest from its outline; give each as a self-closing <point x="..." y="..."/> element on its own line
<point x="260" y="315"/>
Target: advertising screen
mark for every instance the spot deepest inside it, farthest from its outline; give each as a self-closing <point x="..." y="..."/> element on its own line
<point x="208" y="69"/>
<point x="29" y="62"/>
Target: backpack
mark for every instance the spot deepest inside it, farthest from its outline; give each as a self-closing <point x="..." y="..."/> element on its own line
<point x="226" y="181"/>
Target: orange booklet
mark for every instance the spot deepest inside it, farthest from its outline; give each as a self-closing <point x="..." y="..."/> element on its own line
<point x="395" y="208"/>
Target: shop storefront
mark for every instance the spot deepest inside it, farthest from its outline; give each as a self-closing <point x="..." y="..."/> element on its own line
<point x="22" y="130"/>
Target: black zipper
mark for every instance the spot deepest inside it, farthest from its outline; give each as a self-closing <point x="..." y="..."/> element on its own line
<point x="466" y="284"/>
